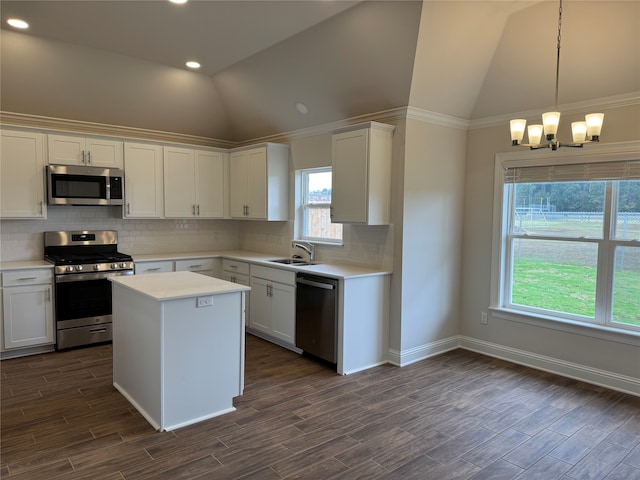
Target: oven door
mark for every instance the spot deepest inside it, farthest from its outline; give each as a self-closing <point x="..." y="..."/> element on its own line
<point x="83" y="299"/>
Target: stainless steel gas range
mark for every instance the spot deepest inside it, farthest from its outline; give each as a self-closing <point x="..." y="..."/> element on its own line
<point x="84" y="261"/>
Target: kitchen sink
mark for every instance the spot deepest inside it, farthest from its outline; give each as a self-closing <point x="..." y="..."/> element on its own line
<point x="292" y="261"/>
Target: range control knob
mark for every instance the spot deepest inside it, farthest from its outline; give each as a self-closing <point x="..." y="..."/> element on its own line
<point x="123" y="265"/>
<point x="96" y="267"/>
<point x="69" y="268"/>
<point x="114" y="266"/>
<point x="79" y="268"/>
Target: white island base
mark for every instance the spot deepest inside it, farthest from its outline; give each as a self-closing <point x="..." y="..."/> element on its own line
<point x="178" y="346"/>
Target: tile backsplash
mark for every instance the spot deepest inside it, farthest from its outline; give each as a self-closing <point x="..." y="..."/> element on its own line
<point x="23" y="239"/>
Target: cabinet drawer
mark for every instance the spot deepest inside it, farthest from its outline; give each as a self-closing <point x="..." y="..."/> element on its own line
<point x="237" y="278"/>
<point x="195" y="265"/>
<point x="153" y="267"/>
<point x="26" y="277"/>
<point x="274" y="274"/>
<point x="235" y="266"/>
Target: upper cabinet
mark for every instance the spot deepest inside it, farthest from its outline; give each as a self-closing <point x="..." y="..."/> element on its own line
<point x="143" y="187"/>
<point x="258" y="182"/>
<point x="361" y="174"/>
<point x="22" y="180"/>
<point x="194" y="183"/>
<point x="81" y="150"/>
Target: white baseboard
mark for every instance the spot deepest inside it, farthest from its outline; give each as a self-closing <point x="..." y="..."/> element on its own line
<point x="576" y="371"/>
<point x="415" y="354"/>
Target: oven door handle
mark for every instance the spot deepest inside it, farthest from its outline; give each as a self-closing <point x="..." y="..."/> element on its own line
<point x="83" y="277"/>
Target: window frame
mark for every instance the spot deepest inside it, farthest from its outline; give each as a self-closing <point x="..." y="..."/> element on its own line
<point x="304" y="208"/>
<point x="500" y="307"/>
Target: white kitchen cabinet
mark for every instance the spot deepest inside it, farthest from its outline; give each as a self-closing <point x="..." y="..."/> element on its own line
<point x="203" y="266"/>
<point x="22" y="179"/>
<point x="144" y="181"/>
<point x="27" y="308"/>
<point x="238" y="272"/>
<point x="258" y="182"/>
<point x="361" y="174"/>
<point x="194" y="184"/>
<point x="273" y="303"/>
<point x="81" y="150"/>
<point x="162" y="266"/>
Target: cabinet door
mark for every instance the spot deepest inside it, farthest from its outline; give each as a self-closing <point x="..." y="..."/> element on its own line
<point x="209" y="184"/>
<point x="22" y="188"/>
<point x="144" y="181"/>
<point x="257" y="183"/>
<point x="260" y="305"/>
<point x="349" y="193"/>
<point x="103" y="153"/>
<point x="283" y="312"/>
<point x="66" y="150"/>
<point x="238" y="187"/>
<point x="28" y="316"/>
<point x="179" y="201"/>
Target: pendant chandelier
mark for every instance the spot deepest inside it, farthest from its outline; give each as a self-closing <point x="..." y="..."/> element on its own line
<point x="582" y="132"/>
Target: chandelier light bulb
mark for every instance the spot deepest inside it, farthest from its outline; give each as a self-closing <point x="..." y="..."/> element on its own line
<point x="517" y="130"/>
<point x="579" y="131"/>
<point x="594" y="124"/>
<point x="551" y="120"/>
<point x="535" y="134"/>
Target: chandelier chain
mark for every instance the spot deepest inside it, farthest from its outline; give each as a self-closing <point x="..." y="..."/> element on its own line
<point x="558" y="56"/>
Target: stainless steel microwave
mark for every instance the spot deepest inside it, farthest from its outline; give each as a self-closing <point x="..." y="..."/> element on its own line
<point x="78" y="185"/>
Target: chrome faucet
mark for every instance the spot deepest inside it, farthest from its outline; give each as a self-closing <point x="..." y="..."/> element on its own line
<point x="308" y="247"/>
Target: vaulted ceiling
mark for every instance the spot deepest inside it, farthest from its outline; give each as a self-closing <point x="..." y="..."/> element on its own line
<point x="122" y="62"/>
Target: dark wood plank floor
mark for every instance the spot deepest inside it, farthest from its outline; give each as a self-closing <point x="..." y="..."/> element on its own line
<point x="455" y="416"/>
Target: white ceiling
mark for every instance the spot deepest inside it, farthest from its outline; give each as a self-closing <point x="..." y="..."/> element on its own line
<point x="122" y="62"/>
<point x="216" y="33"/>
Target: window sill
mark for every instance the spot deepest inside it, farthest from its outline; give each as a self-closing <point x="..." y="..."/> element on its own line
<point x="627" y="337"/>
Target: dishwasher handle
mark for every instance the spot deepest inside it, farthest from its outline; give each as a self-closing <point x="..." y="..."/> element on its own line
<point x="326" y="286"/>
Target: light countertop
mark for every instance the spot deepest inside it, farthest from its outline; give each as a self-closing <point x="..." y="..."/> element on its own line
<point x="176" y="285"/>
<point x="24" y="265"/>
<point x="339" y="271"/>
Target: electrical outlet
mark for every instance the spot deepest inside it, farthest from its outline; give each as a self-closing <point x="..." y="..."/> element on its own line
<point x="484" y="319"/>
<point x="205" y="301"/>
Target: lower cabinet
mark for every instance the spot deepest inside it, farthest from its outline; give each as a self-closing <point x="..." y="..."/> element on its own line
<point x="203" y="266"/>
<point x="273" y="303"/>
<point x="142" y="268"/>
<point x="27" y="307"/>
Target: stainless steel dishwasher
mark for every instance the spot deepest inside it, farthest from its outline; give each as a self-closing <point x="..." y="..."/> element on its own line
<point x="317" y="316"/>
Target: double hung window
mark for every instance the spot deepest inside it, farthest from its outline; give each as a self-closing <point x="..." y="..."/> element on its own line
<point x="315" y="207"/>
<point x="569" y="246"/>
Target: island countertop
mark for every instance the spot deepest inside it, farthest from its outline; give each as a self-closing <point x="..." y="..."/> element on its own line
<point x="175" y="285"/>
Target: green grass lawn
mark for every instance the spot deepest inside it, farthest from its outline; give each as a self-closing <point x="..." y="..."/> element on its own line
<point x="571" y="289"/>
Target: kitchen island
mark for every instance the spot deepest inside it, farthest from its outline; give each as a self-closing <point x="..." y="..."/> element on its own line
<point x="178" y="345"/>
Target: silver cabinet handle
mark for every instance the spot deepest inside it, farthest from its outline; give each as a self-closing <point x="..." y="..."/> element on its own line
<point x="84" y="160"/>
<point x="25" y="279"/>
<point x="233" y="279"/>
<point x="195" y="266"/>
<point x="193" y="210"/>
<point x="89" y="158"/>
<point x="198" y="209"/>
<point x="98" y="330"/>
<point x="48" y="297"/>
<point x="152" y="269"/>
<point x="41" y="208"/>
<point x="128" y="208"/>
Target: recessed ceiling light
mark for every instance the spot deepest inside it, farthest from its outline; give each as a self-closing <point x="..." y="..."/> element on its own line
<point x="302" y="108"/>
<point x="17" y="23"/>
<point x="193" y="64"/>
<point x="178" y="1"/>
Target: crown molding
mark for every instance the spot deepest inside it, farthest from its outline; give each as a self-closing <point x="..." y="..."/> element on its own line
<point x="616" y="101"/>
<point x="77" y="126"/>
<point x="436" y="118"/>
